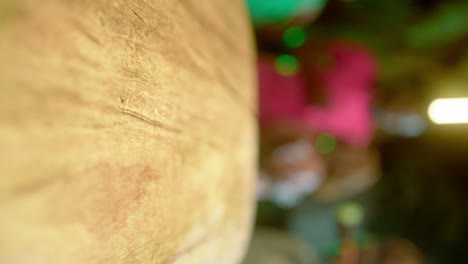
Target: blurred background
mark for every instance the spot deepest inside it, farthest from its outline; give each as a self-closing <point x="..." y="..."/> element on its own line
<point x="363" y="131"/>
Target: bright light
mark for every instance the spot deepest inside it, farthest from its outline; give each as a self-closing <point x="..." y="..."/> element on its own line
<point x="449" y="111"/>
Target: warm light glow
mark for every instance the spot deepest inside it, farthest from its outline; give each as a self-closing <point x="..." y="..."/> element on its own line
<point x="350" y="214"/>
<point x="449" y="111"/>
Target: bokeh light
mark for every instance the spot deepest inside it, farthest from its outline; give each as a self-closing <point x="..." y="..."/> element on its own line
<point x="286" y="64"/>
<point x="294" y="37"/>
<point x="350" y="214"/>
<point x="449" y="111"/>
<point x="325" y="143"/>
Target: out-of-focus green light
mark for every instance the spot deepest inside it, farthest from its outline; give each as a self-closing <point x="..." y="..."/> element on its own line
<point x="294" y="37"/>
<point x="325" y="143"/>
<point x="350" y="214"/>
<point x="267" y="12"/>
<point x="286" y="64"/>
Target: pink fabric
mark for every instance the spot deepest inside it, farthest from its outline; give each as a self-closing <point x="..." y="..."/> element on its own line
<point x="348" y="84"/>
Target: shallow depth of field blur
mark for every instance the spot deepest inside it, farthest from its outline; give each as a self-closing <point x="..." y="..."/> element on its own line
<point x="363" y="106"/>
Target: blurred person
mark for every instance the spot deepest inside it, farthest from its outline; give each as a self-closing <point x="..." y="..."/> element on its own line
<point x="292" y="167"/>
<point x="339" y="233"/>
<point x="332" y="227"/>
<point x="292" y="117"/>
<point x="331" y="92"/>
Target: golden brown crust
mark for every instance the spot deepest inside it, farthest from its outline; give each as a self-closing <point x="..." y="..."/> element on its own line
<point x="127" y="131"/>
